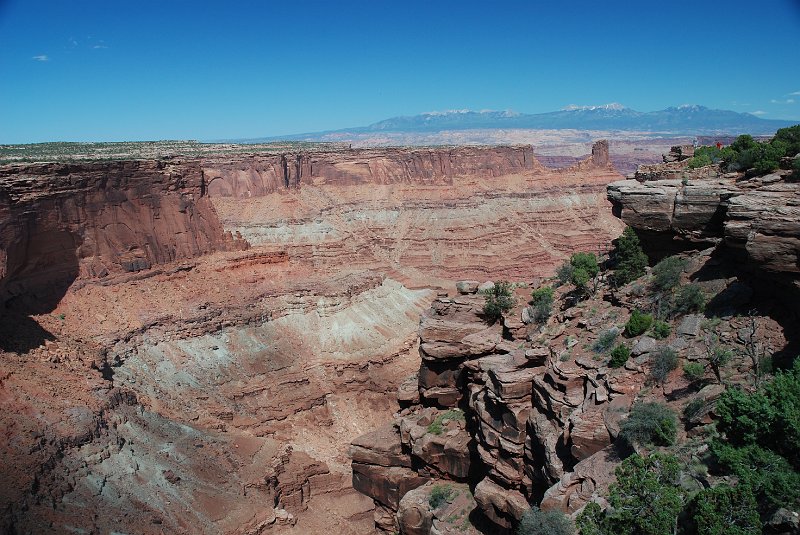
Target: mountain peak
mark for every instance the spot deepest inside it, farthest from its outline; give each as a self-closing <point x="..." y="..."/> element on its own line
<point x="615" y="106"/>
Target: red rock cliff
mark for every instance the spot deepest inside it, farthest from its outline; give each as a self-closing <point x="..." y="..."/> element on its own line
<point x="254" y="176"/>
<point x="62" y="221"/>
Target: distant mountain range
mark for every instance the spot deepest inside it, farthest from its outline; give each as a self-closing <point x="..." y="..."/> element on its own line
<point x="680" y="120"/>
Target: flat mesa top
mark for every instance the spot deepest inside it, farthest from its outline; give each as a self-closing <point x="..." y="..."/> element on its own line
<point x="147" y="150"/>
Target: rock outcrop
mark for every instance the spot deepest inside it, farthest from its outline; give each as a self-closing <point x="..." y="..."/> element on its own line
<point x="756" y="218"/>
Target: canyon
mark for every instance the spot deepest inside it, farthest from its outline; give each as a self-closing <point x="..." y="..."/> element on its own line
<point x="506" y="414"/>
<point x="190" y="345"/>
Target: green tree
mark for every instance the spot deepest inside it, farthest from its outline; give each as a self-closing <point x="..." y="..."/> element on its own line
<point x="645" y="500"/>
<point x="629" y="258"/>
<point x="649" y="424"/>
<point x="726" y="510"/>
<point x="499" y="300"/>
<point x="775" y="482"/>
<point x="769" y="416"/>
<point x="538" y="522"/>
<point x="585" y="261"/>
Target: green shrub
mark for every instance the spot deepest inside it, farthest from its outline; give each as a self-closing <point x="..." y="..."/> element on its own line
<point x="541" y="304"/>
<point x="645" y="499"/>
<point x="667" y="273"/>
<point x="585" y="261"/>
<point x="499" y="300"/>
<point x="694" y="371"/>
<point x="605" y="340"/>
<point x="770" y="416"/>
<point x="638" y="323"/>
<point x="690" y="298"/>
<point x="437" y="425"/>
<point x="440" y="494"/>
<point x="630" y="261"/>
<point x="538" y="522"/>
<point x="773" y="479"/>
<point x="619" y="356"/>
<point x="663" y="361"/>
<point x="649" y="424"/>
<point x="726" y="510"/>
<point x="661" y="329"/>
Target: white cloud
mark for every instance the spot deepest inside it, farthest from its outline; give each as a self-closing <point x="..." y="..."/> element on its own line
<point x="41" y="57"/>
<point x="795" y="94"/>
<point x="789" y="101"/>
<point x="758" y="112"/>
<point x="99" y="46"/>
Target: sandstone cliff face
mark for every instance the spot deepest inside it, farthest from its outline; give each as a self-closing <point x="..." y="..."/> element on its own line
<point x="260" y="175"/>
<point x="427" y="216"/>
<point x="59" y="222"/>
<point x="759" y="218"/>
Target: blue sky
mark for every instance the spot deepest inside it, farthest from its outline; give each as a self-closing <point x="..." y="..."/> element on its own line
<point x="170" y="69"/>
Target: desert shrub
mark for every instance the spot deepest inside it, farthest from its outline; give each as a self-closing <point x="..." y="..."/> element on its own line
<point x="690" y="298"/>
<point x="638" y="323"/>
<point x="437" y="425"/>
<point x="644" y="500"/>
<point x="726" y="510"/>
<point x="605" y="340"/>
<point x="663" y="361"/>
<point x="619" y="356"/>
<point x="694" y="371"/>
<point x="440" y="494"/>
<point x="630" y="261"/>
<point x="649" y="424"/>
<point x="667" y="273"/>
<point x="541" y="304"/>
<point x="661" y="329"/>
<point x="499" y="300"/>
<point x="564" y="273"/>
<point x="538" y="522"/>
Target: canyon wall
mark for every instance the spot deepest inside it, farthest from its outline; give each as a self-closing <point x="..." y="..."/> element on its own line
<point x="425" y="216"/>
<point x="59" y="222"/>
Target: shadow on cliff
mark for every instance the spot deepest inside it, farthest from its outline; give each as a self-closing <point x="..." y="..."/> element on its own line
<point x="753" y="293"/>
<point x="40" y="271"/>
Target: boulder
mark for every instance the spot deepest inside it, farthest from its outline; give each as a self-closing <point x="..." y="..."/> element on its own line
<point x="467" y="287"/>
<point x="502" y="506"/>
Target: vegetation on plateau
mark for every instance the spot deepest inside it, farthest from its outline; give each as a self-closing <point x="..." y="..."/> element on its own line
<point x="746" y="153"/>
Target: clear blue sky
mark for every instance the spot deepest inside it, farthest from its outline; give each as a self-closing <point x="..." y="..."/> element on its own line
<point x="170" y="69"/>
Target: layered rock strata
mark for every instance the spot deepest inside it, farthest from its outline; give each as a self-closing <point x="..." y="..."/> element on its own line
<point x="759" y="217"/>
<point x="535" y="421"/>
